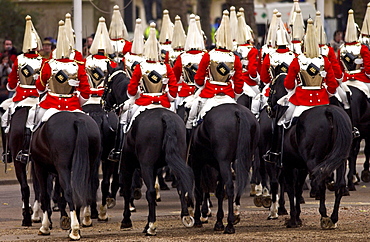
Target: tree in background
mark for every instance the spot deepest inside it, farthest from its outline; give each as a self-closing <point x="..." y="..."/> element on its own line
<point x="177" y="8"/>
<point x="12" y="22"/>
<point x="359" y="7"/>
<point x="204" y="12"/>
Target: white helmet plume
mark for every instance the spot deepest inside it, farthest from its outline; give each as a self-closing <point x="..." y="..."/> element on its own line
<point x="138" y="41"/>
<point x="167" y="28"/>
<point x="223" y="36"/>
<point x="63" y="48"/>
<point x="117" y="27"/>
<point x="194" y="39"/>
<point x="101" y="40"/>
<point x="179" y="36"/>
<point x="31" y="39"/>
<point x="151" y="47"/>
<point x="311" y="46"/>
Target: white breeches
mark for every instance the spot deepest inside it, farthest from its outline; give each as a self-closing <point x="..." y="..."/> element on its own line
<point x="34" y="119"/>
<point x="194" y="111"/>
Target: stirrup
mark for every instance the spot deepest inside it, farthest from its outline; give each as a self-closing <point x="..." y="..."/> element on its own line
<point x="23" y="156"/>
<point x="6" y="157"/>
<point x="271" y="157"/>
<point x="355" y="132"/>
<point x="114" y="155"/>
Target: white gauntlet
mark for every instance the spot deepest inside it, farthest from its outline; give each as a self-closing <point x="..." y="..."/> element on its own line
<point x="73" y="82"/>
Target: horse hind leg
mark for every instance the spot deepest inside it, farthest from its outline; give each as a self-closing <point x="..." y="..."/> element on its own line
<point x="87" y="221"/>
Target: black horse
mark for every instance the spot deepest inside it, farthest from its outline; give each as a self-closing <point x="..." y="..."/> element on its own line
<point x="360" y="111"/>
<point x="68" y="144"/>
<point x="227" y="136"/>
<point x="318" y="143"/>
<point x="15" y="144"/>
<point x="156" y="138"/>
<point x="107" y="123"/>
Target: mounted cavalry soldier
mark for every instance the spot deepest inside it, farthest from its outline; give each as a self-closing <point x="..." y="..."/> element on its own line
<point x="25" y="71"/>
<point x="297" y="32"/>
<point x="132" y="59"/>
<point x="135" y="55"/>
<point x="186" y="64"/>
<point x="309" y="82"/>
<point x="119" y="35"/>
<point x="60" y="78"/>
<point x="248" y="55"/>
<point x="152" y="85"/>
<point x="343" y="93"/>
<point x="178" y="40"/>
<point x="276" y="62"/>
<point x="96" y="63"/>
<point x="219" y="75"/>
<point x="165" y="37"/>
<point x="355" y="58"/>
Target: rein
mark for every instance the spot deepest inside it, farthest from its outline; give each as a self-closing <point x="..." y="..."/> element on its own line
<point x="115" y="107"/>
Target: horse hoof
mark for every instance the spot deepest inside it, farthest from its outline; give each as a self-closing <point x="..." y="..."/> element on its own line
<point x="257" y="201"/>
<point x="236" y="219"/>
<point x="26" y="223"/>
<point x="65" y="223"/>
<point x="229" y="229"/>
<point x="351" y="188"/>
<point x="282" y="211"/>
<point x="326" y="223"/>
<point x="158" y="199"/>
<point x="56" y="208"/>
<point x="188" y="221"/>
<point x="132" y="209"/>
<point x="270" y="217"/>
<point x="198" y="224"/>
<point x="365" y="176"/>
<point x="137" y="193"/>
<point x="103" y="219"/>
<point x="204" y="220"/>
<point x="290" y="224"/>
<point x="111" y="202"/>
<point x="266" y="202"/>
<point x="219" y="226"/>
<point x="74" y="235"/>
<point x="302" y="201"/>
<point x="36" y="220"/>
<point x="126" y="225"/>
<point x="43" y="234"/>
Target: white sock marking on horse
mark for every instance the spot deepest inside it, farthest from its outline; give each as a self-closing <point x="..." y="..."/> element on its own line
<point x="87" y="216"/>
<point x="75" y="226"/>
<point x="45" y="224"/>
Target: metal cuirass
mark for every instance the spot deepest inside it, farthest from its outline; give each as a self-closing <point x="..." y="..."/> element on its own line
<point x="28" y="69"/>
<point x="152" y="77"/>
<point x="61" y="72"/>
<point x="131" y="61"/>
<point x="221" y="66"/>
<point x="190" y="63"/>
<point x="279" y="63"/>
<point x="96" y="69"/>
<point x="348" y="56"/>
<point x="310" y="71"/>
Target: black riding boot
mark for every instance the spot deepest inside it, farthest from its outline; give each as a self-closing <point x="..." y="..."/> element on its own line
<point x="274" y="154"/>
<point x="188" y="135"/>
<point x="24" y="154"/>
<point x="115" y="153"/>
<point x="6" y="158"/>
<point x="355" y="131"/>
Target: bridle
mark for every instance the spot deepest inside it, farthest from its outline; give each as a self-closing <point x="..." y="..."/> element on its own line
<point x="108" y="89"/>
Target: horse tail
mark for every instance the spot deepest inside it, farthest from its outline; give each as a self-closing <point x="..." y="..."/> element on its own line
<point x="177" y="164"/>
<point x="342" y="139"/>
<point x="243" y="160"/>
<point x="80" y="179"/>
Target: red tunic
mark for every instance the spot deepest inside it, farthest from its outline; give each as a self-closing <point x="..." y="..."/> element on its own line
<point x="365" y="54"/>
<point x="145" y="100"/>
<point x="210" y="90"/>
<point x="63" y="103"/>
<point x="20" y="92"/>
<point x="306" y="97"/>
<point x="185" y="90"/>
<point x="252" y="66"/>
